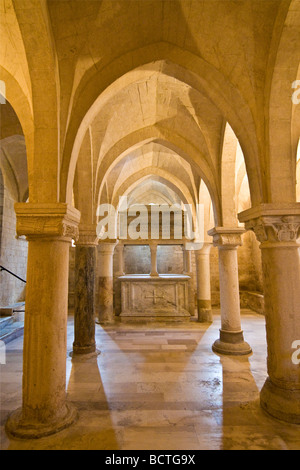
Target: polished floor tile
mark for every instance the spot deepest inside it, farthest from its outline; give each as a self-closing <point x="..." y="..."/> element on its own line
<point x="159" y="387"/>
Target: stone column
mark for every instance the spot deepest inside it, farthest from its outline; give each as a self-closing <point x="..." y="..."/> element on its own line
<point x="187" y="264"/>
<point x="278" y="230"/>
<point x="153" y="250"/>
<point x="84" y="313"/>
<point x="120" y="253"/>
<point x="49" y="229"/>
<point x="231" y="340"/>
<point x="203" y="283"/>
<point x="105" y="302"/>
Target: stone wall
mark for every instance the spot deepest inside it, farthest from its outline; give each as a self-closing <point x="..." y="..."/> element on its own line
<point x="170" y="260"/>
<point x="137" y="259"/>
<point x="13" y="255"/>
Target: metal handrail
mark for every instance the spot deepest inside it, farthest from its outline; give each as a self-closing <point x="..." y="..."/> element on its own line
<point x="2" y="268"/>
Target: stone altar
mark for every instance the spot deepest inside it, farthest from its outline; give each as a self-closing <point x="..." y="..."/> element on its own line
<point x="164" y="297"/>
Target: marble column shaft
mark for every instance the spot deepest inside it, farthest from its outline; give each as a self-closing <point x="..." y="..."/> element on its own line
<point x="202" y="257"/>
<point x="187" y="263"/>
<point x="153" y="251"/>
<point x="121" y="264"/>
<point x="231" y="340"/>
<point x="84" y="313"/>
<point x="278" y="230"/>
<point x="49" y="229"/>
<point x="105" y="304"/>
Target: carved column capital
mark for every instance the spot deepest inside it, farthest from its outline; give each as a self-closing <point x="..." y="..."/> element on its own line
<point x="47" y="221"/>
<point x="227" y="238"/>
<point x="205" y="250"/>
<point x="107" y="247"/>
<point x="273" y="225"/>
<point x="87" y="236"/>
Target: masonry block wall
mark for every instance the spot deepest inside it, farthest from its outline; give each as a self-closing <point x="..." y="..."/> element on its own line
<point x="13" y="254"/>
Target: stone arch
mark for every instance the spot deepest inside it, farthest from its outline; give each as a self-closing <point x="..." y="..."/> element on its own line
<point x="174" y="142"/>
<point x="233" y="177"/>
<point x="210" y="217"/>
<point x="169" y="180"/>
<point x="192" y="70"/>
<point x="43" y="76"/>
<point x="16" y="98"/>
<point x="155" y="196"/>
<point x="83" y="185"/>
<point x="283" y="115"/>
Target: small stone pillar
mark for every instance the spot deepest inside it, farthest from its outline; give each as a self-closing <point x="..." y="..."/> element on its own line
<point x="49" y="229"/>
<point x="187" y="264"/>
<point x="105" y="304"/>
<point x="84" y="313"/>
<point x="153" y="250"/>
<point x="231" y="340"/>
<point x="278" y="230"/>
<point x="120" y="253"/>
<point x="202" y="257"/>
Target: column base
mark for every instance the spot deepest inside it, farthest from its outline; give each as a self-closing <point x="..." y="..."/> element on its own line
<point x="205" y="316"/>
<point x="105" y="321"/>
<point x="231" y="343"/>
<point x="82" y="350"/>
<point x="280" y="403"/>
<point x="84" y="357"/>
<point x="18" y="428"/>
<point x="204" y="311"/>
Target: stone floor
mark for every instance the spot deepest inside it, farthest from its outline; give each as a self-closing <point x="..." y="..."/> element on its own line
<point x="159" y="387"/>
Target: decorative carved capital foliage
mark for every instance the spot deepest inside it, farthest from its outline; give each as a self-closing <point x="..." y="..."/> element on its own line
<point x="275" y="229"/>
<point x="227" y="238"/>
<point x="274" y="223"/>
<point x="55" y="220"/>
<point x="87" y="236"/>
<point x="107" y="248"/>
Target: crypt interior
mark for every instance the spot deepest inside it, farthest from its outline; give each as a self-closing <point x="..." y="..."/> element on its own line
<point x="135" y="342"/>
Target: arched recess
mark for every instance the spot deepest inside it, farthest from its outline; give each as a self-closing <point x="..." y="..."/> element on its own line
<point x="206" y="79"/>
<point x="283" y="117"/>
<point x="173" y="142"/>
<point x="149" y="193"/>
<point x="151" y="155"/>
<point x="150" y="173"/>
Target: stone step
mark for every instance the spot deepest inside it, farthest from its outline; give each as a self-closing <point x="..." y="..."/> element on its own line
<point x="12" y="325"/>
<point x="5" y="322"/>
<point x="11" y="332"/>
